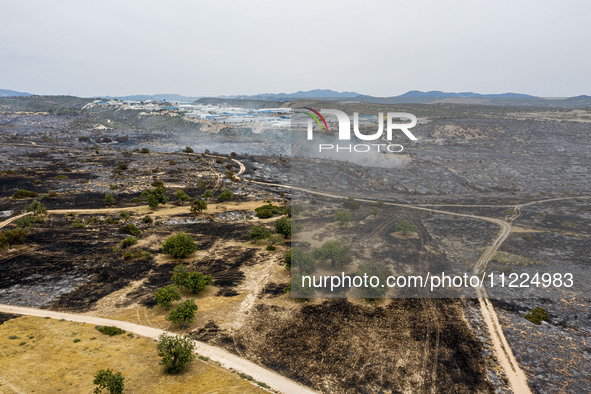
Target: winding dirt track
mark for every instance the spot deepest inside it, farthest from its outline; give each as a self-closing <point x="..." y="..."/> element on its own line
<point x="226" y="359"/>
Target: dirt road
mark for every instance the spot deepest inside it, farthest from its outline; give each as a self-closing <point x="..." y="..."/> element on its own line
<point x="226" y="359"/>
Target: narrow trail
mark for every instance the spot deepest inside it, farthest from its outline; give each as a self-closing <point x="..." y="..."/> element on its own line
<point x="226" y="359"/>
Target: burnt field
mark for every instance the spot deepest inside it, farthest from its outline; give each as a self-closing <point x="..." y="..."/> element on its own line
<point x="339" y="346"/>
<point x="414" y="343"/>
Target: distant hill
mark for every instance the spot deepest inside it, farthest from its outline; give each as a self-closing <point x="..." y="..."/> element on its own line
<point x="440" y="94"/>
<point x="157" y="97"/>
<point x="315" y="93"/>
<point x="12" y="93"/>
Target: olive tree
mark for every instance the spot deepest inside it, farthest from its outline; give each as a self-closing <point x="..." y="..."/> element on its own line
<point x="179" y="245"/>
<point x="107" y="380"/>
<point x="176" y="352"/>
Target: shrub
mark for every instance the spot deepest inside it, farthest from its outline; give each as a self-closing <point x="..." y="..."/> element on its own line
<point x="106" y="379"/>
<point x="373" y="269"/>
<point x="183" y="313"/>
<point x="351" y="204"/>
<point x="37" y="208"/>
<point x="147" y="219"/>
<point x="144" y="150"/>
<point x="192" y="281"/>
<point x="288" y="259"/>
<point x="188" y="149"/>
<point x="155" y="197"/>
<point x="283" y="227"/>
<point x="274" y="240"/>
<point x="166" y="295"/>
<point x="130" y="229"/>
<point x="207" y="194"/>
<point x="136" y="254"/>
<point x="342" y="216"/>
<point x="109" y="199"/>
<point x="110" y="330"/>
<point x="264" y="213"/>
<point x="226" y="195"/>
<point x="176" y="352"/>
<point x="127" y="242"/>
<point x="269" y="210"/>
<point x="111" y="220"/>
<point x="124" y="215"/>
<point x="336" y="251"/>
<point x="77" y="223"/>
<point x="29" y="220"/>
<point x="12" y="237"/>
<point x="258" y="233"/>
<point x="181" y="195"/>
<point x="24" y="194"/>
<point x="299" y="291"/>
<point x="198" y="206"/>
<point x="537" y="315"/>
<point x="122" y="166"/>
<point x="179" y="245"/>
<point x="405" y="226"/>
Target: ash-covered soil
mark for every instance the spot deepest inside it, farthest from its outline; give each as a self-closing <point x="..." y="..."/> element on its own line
<point x="339" y="346"/>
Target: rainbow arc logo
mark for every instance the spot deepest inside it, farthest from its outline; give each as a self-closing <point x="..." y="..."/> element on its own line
<point x="315" y="116"/>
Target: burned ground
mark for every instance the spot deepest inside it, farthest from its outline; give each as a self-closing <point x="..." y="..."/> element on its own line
<point x="337" y="346"/>
<point x="466" y="155"/>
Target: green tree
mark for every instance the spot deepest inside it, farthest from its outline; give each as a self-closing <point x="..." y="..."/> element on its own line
<point x="336" y="251"/>
<point x="176" y="352"/>
<point x="299" y="291"/>
<point x="37" y="208"/>
<point x="372" y="269"/>
<point x="258" y="233"/>
<point x="183" y="313"/>
<point x="207" y="194"/>
<point x="198" y="206"/>
<point x="302" y="262"/>
<point x="342" y="216"/>
<point x="181" y="195"/>
<point x="405" y="226"/>
<point x="179" y="245"/>
<point x="166" y="295"/>
<point x="283" y="227"/>
<point x="273" y="240"/>
<point x="226" y="195"/>
<point x="192" y="281"/>
<point x="155" y="197"/>
<point x="109" y="199"/>
<point x="106" y="379"/>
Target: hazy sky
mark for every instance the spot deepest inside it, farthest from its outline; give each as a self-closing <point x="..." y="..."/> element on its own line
<point x="382" y="48"/>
